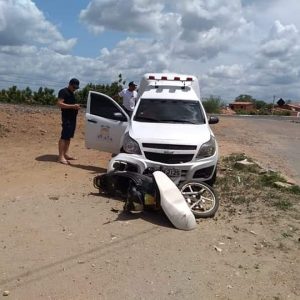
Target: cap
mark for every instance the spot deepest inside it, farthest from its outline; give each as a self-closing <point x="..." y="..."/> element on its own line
<point x="132" y="83"/>
<point x="74" y="82"/>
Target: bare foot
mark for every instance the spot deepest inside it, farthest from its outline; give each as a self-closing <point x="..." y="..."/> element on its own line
<point x="70" y="157"/>
<point x="63" y="161"/>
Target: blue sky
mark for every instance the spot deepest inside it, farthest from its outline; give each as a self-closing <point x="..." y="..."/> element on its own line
<point x="234" y="47"/>
<point x="65" y="17"/>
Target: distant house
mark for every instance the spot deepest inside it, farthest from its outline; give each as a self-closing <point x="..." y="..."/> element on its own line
<point x="294" y="109"/>
<point x="245" y="106"/>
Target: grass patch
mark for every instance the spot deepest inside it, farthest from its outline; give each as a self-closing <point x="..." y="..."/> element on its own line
<point x="283" y="204"/>
<point x="234" y="157"/>
<point x="239" y="199"/>
<point x="248" y="168"/>
<point x="270" y="178"/>
<point x="295" y="189"/>
<point x="252" y="189"/>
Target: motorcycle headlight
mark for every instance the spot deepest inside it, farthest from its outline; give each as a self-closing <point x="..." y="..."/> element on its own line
<point x="207" y="149"/>
<point x="130" y="145"/>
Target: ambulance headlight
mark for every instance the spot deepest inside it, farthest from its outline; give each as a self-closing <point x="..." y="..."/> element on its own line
<point x="207" y="149"/>
<point x="130" y="146"/>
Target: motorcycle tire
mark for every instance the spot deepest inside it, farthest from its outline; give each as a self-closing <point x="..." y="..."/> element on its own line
<point x="200" y="198"/>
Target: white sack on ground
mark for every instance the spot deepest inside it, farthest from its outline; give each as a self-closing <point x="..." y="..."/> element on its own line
<point x="173" y="203"/>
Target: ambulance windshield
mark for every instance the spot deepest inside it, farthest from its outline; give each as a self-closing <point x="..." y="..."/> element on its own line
<point x="169" y="111"/>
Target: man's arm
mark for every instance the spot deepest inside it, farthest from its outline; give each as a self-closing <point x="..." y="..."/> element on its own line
<point x="121" y="94"/>
<point x="118" y="96"/>
<point x="61" y="104"/>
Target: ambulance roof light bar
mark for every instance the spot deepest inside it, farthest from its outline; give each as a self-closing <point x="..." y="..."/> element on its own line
<point x="176" y="78"/>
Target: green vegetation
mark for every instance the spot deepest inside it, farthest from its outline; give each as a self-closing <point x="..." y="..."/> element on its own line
<point x="282" y="113"/>
<point x="247" y="185"/>
<point x="42" y="96"/>
<point x="283" y="204"/>
<point x="234" y="157"/>
<point x="260" y="106"/>
<point x="270" y="178"/>
<point x="46" y="96"/>
<point x="244" y="98"/>
<point x="295" y="189"/>
<point x="212" y="104"/>
<point x="108" y="89"/>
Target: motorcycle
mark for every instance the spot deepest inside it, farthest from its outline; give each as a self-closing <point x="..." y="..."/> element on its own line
<point x="148" y="192"/>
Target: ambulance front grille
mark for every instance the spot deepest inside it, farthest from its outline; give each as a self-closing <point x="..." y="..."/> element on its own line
<point x="169" y="146"/>
<point x="169" y="158"/>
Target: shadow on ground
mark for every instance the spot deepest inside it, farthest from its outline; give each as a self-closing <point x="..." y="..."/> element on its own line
<point x="47" y="157"/>
<point x="155" y="217"/>
<point x="53" y="158"/>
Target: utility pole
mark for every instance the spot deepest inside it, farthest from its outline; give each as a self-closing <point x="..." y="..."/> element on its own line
<point x="273" y="103"/>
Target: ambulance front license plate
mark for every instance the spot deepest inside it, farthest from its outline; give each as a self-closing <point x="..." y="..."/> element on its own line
<point x="172" y="172"/>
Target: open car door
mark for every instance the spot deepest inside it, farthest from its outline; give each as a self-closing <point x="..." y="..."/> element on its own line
<point x="106" y="123"/>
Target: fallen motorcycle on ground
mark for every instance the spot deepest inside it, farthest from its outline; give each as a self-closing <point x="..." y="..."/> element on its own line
<point x="181" y="204"/>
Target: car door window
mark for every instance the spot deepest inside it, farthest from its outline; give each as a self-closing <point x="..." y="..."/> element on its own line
<point x="103" y="107"/>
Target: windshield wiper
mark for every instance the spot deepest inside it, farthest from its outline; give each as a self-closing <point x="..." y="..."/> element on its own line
<point x="145" y="119"/>
<point x="177" y="121"/>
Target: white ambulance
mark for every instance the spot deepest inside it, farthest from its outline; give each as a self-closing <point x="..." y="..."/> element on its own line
<point x="168" y="130"/>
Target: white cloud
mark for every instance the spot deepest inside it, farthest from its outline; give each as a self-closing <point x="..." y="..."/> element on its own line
<point x="135" y="16"/>
<point x="273" y="69"/>
<point x="209" y="27"/>
<point x="199" y="15"/>
<point x="22" y="23"/>
<point x="45" y="67"/>
<point x="222" y="71"/>
<point x="135" y="57"/>
<point x="277" y="59"/>
<point x="283" y="41"/>
<point x="195" y="29"/>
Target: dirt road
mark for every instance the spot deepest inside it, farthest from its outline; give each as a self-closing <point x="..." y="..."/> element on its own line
<point x="275" y="143"/>
<point x="60" y="240"/>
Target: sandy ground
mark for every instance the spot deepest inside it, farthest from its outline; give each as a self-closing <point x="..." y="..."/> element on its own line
<point x="60" y="240"/>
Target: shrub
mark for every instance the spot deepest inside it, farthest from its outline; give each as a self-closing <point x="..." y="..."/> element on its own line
<point x="212" y="104"/>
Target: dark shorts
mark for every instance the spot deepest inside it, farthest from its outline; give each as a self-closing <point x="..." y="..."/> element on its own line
<point x="68" y="129"/>
<point x="129" y="112"/>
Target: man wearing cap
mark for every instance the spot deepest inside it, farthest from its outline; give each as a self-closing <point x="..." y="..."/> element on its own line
<point x="69" y="109"/>
<point x="129" y="97"/>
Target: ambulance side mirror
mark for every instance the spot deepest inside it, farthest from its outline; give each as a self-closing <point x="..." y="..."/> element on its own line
<point x="213" y="120"/>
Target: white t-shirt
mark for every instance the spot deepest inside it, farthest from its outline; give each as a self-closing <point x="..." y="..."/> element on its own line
<point x="129" y="98"/>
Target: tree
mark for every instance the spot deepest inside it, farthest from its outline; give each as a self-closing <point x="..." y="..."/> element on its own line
<point x="111" y="90"/>
<point x="244" y="98"/>
<point x="212" y="104"/>
<point x="27" y="94"/>
<point x="260" y="104"/>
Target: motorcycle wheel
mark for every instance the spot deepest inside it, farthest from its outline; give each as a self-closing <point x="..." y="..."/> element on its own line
<point x="200" y="197"/>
